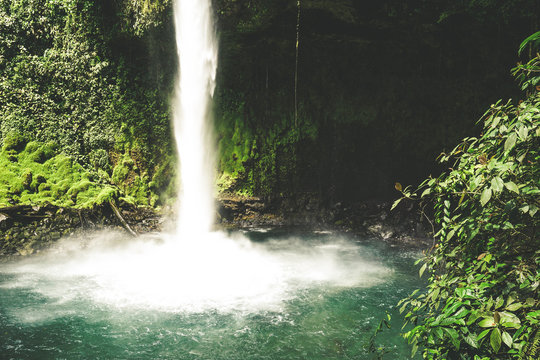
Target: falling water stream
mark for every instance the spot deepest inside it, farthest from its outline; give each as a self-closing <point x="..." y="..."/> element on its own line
<point x="197" y="56"/>
<point x="197" y="293"/>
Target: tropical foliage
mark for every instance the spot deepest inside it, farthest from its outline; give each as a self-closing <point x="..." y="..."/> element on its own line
<point x="482" y="300"/>
<point x="64" y="79"/>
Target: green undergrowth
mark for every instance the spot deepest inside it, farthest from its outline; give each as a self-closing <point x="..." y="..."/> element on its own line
<point x="482" y="299"/>
<point x="38" y="173"/>
<point x="261" y="161"/>
<point x="235" y="147"/>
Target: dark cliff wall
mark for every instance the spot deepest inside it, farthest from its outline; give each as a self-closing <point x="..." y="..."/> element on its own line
<point x="383" y="88"/>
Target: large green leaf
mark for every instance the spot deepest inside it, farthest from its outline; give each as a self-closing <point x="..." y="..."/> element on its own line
<point x="497" y="184"/>
<point x="495" y="339"/>
<point x="510" y="320"/>
<point x="471" y="340"/>
<point x="486" y="195"/>
<point x="531" y="39"/>
<point x="507" y="339"/>
<point x="422" y="269"/>
<point x="487" y="322"/>
<point x="523" y="132"/>
<point x="510" y="142"/>
<point x="512" y="186"/>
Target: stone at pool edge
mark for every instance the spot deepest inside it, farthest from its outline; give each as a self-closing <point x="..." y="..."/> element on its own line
<point x="366" y="219"/>
<point x="25" y="230"/>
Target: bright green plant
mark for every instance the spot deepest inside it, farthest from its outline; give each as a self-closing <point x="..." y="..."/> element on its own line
<point x="482" y="300"/>
<point x="528" y="74"/>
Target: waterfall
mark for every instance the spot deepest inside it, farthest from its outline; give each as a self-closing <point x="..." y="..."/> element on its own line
<point x="197" y="57"/>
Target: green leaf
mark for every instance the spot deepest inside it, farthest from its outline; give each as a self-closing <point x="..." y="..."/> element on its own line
<point x="487" y="322"/>
<point x="532" y="38"/>
<point x="454" y="337"/>
<point x="497" y="184"/>
<point x="510" y="142"/>
<point x="523" y="132"/>
<point x="507" y="339"/>
<point x="472" y="318"/>
<point x="460" y="292"/>
<point x="461" y="198"/>
<point x="514" y="306"/>
<point x="422" y="269"/>
<point x="471" y="340"/>
<point x="435" y="294"/>
<point x="426" y="192"/>
<point x="495" y="339"/>
<point x="510" y="320"/>
<point x="396" y="203"/>
<point x="414" y="350"/>
<point x="512" y="186"/>
<point x="482" y="334"/>
<point x="486" y="195"/>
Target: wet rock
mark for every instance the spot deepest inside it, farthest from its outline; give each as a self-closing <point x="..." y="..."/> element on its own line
<point x="26" y="229"/>
<point x="402" y="227"/>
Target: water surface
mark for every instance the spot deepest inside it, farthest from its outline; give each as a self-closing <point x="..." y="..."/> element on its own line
<point x="258" y="295"/>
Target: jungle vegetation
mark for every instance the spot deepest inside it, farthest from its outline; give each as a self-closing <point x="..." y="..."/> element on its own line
<point x="482" y="300"/>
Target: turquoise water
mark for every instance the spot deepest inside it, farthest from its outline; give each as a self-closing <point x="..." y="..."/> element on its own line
<point x="327" y="298"/>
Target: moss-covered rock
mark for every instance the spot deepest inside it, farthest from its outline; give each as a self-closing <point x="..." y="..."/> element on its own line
<point x="26" y="178"/>
<point x="41" y="175"/>
<point x="13" y="141"/>
<point x="121" y="170"/>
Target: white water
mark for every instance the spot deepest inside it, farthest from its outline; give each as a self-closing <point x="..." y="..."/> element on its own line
<point x="224" y="274"/>
<point x="197" y="57"/>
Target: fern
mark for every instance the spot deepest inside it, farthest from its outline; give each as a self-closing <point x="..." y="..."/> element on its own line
<point x="532" y="349"/>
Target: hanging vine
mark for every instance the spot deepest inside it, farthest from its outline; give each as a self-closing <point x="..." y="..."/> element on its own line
<point x="296" y="65"/>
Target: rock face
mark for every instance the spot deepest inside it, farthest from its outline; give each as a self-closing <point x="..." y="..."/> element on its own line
<point x="26" y="229"/>
<point x="238" y="211"/>
<point x="402" y="227"/>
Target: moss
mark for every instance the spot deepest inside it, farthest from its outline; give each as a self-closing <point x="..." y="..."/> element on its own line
<point x="129" y="199"/>
<point x="16" y="187"/>
<point x="96" y="196"/>
<point x="140" y="190"/>
<point x="13" y="141"/>
<point x="40" y="153"/>
<point x="99" y="159"/>
<point x="36" y="182"/>
<point x="44" y="187"/>
<point x="57" y="179"/>
<point x="78" y="187"/>
<point x="163" y="182"/>
<point x="121" y="170"/>
<point x="26" y="178"/>
<point x="106" y="194"/>
<point x="32" y="146"/>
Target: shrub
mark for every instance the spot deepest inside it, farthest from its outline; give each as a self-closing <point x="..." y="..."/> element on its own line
<point x="482" y="300"/>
